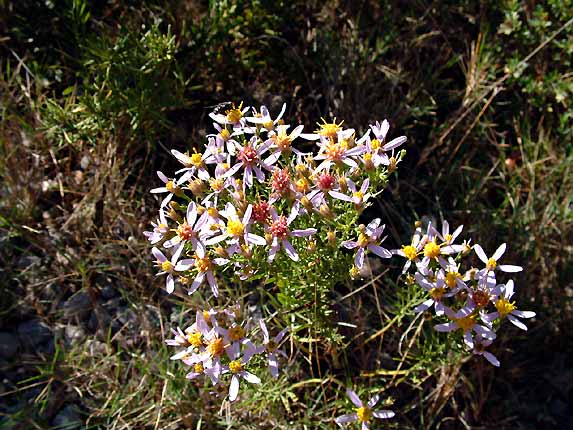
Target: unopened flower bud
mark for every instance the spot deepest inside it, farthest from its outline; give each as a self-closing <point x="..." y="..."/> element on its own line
<point x="331" y="237"/>
<point x="325" y="211"/>
<point x="196" y="186"/>
<point x="418" y="224"/>
<point x="354" y="272"/>
<point x="311" y="245"/>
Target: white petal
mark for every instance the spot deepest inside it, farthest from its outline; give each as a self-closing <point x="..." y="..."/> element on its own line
<point x="383" y="414"/>
<point x="481" y="255"/>
<point x="491" y="358"/>
<point x="499" y="252"/>
<point x="253" y="379"/>
<point x="509" y="268"/>
<point x="348" y="418"/>
<point x="234" y="388"/>
<point x="353" y="397"/>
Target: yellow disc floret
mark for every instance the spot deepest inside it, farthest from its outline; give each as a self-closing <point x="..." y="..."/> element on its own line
<point x="202" y="264"/>
<point x="451" y="278"/>
<point x="375" y="144"/>
<point x="235" y="228"/>
<point x="504" y="307"/>
<point x="195" y="339"/>
<point x="329" y="129"/>
<point x="364" y="414"/>
<point x="216" y="347"/>
<point x="235" y="366"/>
<point x="410" y="252"/>
<point x="198" y="368"/>
<point x="363" y="240"/>
<point x="466" y="323"/>
<point x="167" y="266"/>
<point x="234" y="114"/>
<point x="432" y="249"/>
<point x="437" y="293"/>
<point x="236" y="333"/>
<point x="197" y="159"/>
<point x="491" y="264"/>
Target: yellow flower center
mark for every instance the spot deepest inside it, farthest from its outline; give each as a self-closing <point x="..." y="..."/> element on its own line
<point x="363" y="240"/>
<point x="234" y="114"/>
<point x="235" y="228"/>
<point x="302" y="185"/>
<point x="167" y="266"/>
<point x="448" y="238"/>
<point x="212" y="212"/>
<point x="466" y="323"/>
<point x="329" y="129"/>
<point x="375" y="144"/>
<point x="491" y="264"/>
<point x="216" y="347"/>
<point x="283" y="140"/>
<point x="437" y="293"/>
<point x="410" y="252"/>
<point x="216" y="184"/>
<point x="202" y="264"/>
<point x="504" y="307"/>
<point x="225" y="134"/>
<point x="364" y="414"/>
<point x="359" y="195"/>
<point x="206" y="316"/>
<point x="269" y="125"/>
<point x="171" y="187"/>
<point x="195" y="339"/>
<point x="198" y="368"/>
<point x="236" y="333"/>
<point x="432" y="249"/>
<point x="451" y="279"/>
<point x="196" y="159"/>
<point x="235" y="366"/>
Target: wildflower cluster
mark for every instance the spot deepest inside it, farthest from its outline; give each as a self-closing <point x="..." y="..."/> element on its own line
<point x="220" y="346"/>
<point x="472" y="300"/>
<point x="252" y="195"/>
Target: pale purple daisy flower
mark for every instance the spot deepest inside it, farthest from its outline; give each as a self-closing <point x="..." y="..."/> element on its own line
<point x="171" y="266"/>
<point x="189" y="231"/>
<point x="171" y="187"/>
<point x="505" y="308"/>
<point x="237" y="230"/>
<point x="492" y="264"/>
<point x="235" y="116"/>
<point x="479" y="349"/>
<point x="280" y="232"/>
<point x="194" y="164"/>
<point x="338" y="152"/>
<point x="265" y="119"/>
<point x="358" y="196"/>
<point x="448" y="239"/>
<point x="437" y="291"/>
<point x="204" y="266"/>
<point x="237" y="368"/>
<point x="412" y="251"/>
<point x="468" y="325"/>
<point x="281" y="142"/>
<point x="160" y="229"/>
<point x="364" y="413"/>
<point x="368" y="239"/>
<point x="249" y="159"/>
<point x="271" y="347"/>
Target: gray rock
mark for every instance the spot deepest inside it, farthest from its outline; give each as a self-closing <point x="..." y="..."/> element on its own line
<point x="78" y="306"/>
<point x="74" y="334"/>
<point x="33" y="333"/>
<point x="68" y="418"/>
<point x="8" y="345"/>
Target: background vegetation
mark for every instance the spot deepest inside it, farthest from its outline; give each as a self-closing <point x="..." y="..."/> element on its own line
<point x="92" y="96"/>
